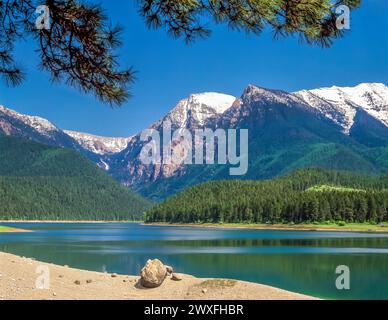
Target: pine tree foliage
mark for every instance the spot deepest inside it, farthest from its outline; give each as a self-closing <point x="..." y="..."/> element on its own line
<point x="79" y="47"/>
<point x="313" y="20"/>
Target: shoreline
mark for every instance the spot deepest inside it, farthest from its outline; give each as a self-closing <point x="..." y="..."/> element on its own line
<point x="19" y="276"/>
<point x="359" y="228"/>
<point x="311" y="228"/>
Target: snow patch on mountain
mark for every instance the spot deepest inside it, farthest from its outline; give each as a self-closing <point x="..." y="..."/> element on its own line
<point x="98" y="144"/>
<point x="41" y="125"/>
<point x="340" y="113"/>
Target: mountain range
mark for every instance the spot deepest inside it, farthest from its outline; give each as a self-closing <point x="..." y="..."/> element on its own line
<point x="343" y="128"/>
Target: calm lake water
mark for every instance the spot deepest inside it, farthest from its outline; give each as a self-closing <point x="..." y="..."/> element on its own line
<point x="303" y="262"/>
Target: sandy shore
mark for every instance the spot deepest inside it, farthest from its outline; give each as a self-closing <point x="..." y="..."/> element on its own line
<point x="18" y="277"/>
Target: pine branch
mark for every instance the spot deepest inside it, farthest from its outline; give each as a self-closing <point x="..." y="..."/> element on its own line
<point x="314" y="21"/>
<point x="78" y="49"/>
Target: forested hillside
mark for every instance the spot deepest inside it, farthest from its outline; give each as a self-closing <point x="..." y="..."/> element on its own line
<point x="40" y="182"/>
<point x="309" y="195"/>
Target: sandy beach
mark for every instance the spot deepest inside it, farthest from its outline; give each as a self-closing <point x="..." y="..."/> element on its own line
<point x="18" y="277"/>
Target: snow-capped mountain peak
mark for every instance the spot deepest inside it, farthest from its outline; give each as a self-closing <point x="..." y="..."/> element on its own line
<point x="219" y="102"/>
<point x="98" y="144"/>
<point x="340" y="104"/>
<point x="197" y="108"/>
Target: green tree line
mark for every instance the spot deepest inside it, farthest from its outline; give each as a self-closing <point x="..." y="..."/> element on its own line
<point x="343" y="196"/>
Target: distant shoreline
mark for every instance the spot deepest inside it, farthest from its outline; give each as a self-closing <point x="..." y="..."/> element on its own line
<point x="361" y="228"/>
<point x="5" y="228"/>
<point x="278" y="227"/>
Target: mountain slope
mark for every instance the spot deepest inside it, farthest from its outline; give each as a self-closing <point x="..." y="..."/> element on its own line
<point x="45" y="183"/>
<point x="40" y="130"/>
<point x="34" y="128"/>
<point x="191" y="113"/>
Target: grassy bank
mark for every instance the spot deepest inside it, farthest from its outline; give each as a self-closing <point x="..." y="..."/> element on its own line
<point x="350" y="227"/>
<point x="9" y="229"/>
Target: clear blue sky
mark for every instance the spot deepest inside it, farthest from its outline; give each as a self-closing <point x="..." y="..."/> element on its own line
<point x="168" y="70"/>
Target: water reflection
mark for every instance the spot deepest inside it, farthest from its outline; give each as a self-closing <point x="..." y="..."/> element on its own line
<point x="298" y="261"/>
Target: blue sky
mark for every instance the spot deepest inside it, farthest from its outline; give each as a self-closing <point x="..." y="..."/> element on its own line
<point x="169" y="70"/>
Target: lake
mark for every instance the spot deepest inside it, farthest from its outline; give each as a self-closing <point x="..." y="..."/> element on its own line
<point x="299" y="261"/>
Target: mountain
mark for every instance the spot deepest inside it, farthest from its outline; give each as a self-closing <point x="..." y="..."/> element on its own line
<point x="191" y="113"/>
<point x="305" y="196"/>
<point x="40" y="182"/>
<point x="41" y="130"/>
<point x="287" y="131"/>
<point x="341" y="128"/>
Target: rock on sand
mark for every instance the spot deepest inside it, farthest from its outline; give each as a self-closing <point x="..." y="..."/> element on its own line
<point x="153" y="274"/>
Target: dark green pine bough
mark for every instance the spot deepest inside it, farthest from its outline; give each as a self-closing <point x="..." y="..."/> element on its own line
<point x="306" y="196"/>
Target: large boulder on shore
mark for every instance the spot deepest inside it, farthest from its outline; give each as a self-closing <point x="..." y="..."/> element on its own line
<point x="153" y="274"/>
